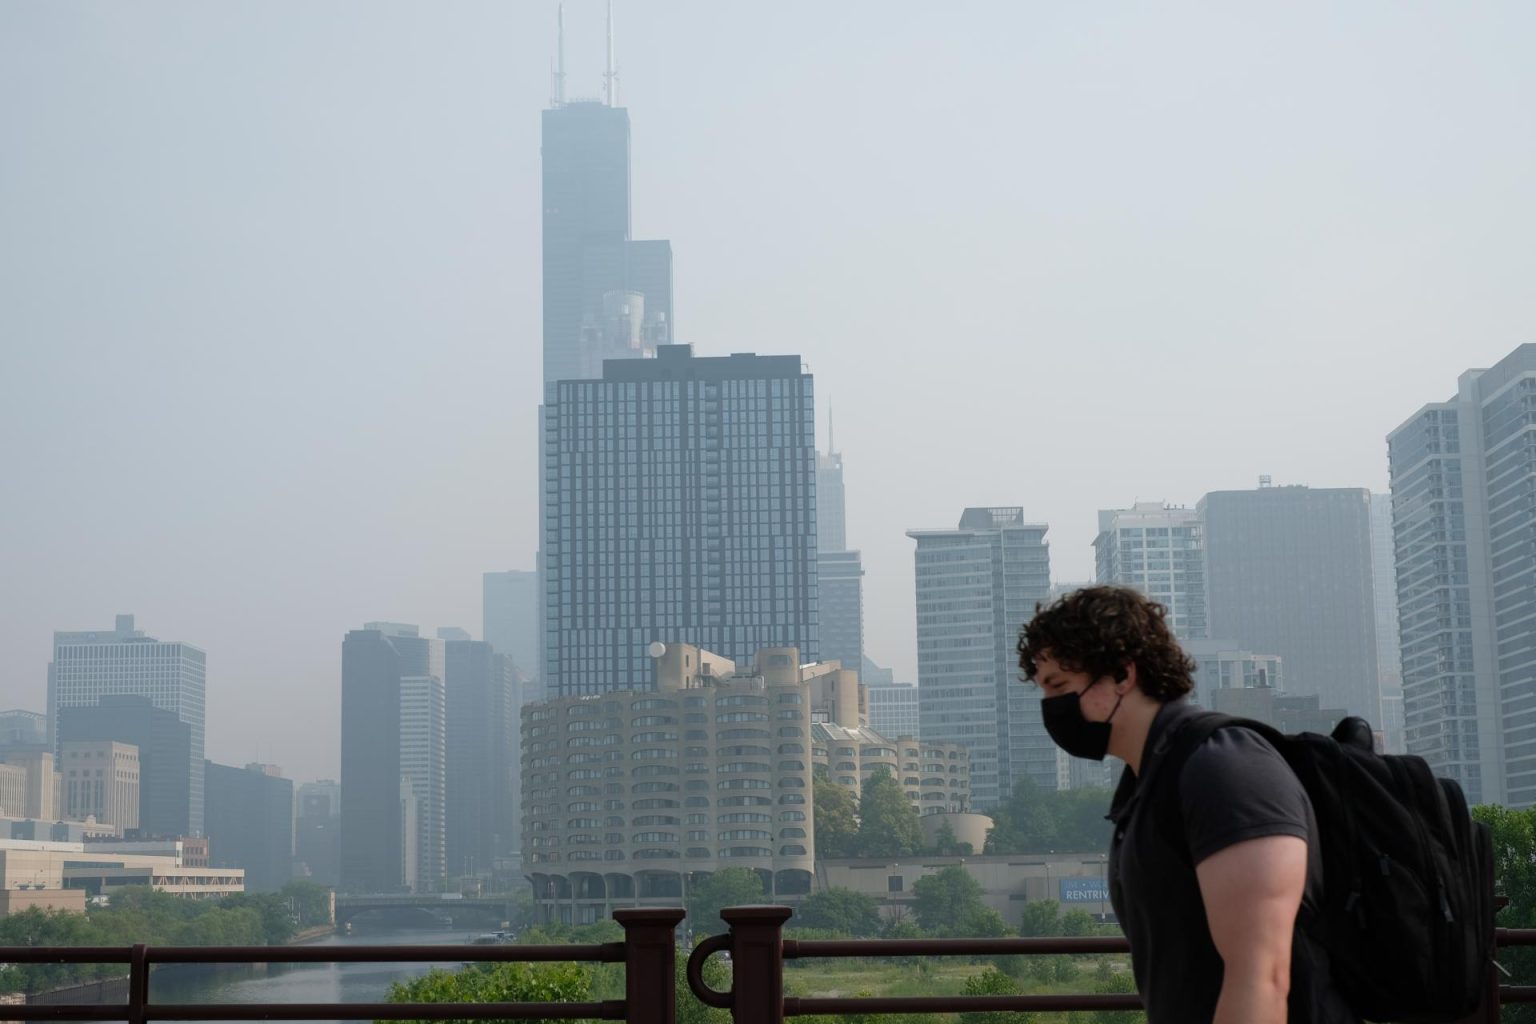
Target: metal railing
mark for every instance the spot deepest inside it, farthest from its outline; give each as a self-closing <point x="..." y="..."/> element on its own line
<point x="759" y="950"/>
<point x="755" y="941"/>
<point x="648" y="953"/>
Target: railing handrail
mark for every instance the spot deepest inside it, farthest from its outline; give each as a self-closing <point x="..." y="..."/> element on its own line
<point x="758" y="950"/>
<point x="606" y="952"/>
<point x="648" y="953"/>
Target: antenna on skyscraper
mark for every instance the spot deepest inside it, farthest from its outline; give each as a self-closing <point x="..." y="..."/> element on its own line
<point x="831" y="437"/>
<point x="610" y="76"/>
<point x="558" y="96"/>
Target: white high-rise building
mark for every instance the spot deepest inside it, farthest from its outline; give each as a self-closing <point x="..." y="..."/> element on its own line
<point x="423" y="750"/>
<point x="423" y="764"/>
<point x="1158" y="549"/>
<point x="976" y="586"/>
<point x="1462" y="474"/>
<point x="123" y="661"/>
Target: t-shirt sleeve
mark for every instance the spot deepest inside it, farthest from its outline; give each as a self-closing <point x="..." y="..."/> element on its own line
<point x="1237" y="787"/>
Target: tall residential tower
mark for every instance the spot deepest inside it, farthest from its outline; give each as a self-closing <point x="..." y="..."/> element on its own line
<point x="976" y="585"/>
<point x="1463" y="474"/>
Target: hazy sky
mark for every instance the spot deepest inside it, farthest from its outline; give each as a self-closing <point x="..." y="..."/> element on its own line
<point x="269" y="281"/>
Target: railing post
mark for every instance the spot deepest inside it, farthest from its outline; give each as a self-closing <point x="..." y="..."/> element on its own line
<point x="757" y="963"/>
<point x="650" y="963"/>
<point x="138" y="983"/>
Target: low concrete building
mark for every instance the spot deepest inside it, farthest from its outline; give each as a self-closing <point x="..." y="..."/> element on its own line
<point x="1075" y="880"/>
<point x="98" y="870"/>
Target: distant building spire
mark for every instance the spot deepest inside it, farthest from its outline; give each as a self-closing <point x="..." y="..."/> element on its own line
<point x="557" y="97"/>
<point x="610" y="76"/>
<point x="831" y="436"/>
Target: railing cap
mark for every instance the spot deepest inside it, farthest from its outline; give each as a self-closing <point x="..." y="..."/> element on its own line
<point x="759" y="914"/>
<point x="650" y="915"/>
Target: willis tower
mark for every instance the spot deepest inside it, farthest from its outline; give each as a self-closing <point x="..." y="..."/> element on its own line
<point x="606" y="295"/>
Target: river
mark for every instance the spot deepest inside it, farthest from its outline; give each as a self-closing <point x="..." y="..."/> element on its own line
<point x="304" y="983"/>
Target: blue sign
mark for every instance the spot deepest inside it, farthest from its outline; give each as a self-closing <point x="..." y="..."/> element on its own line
<point x="1084" y="890"/>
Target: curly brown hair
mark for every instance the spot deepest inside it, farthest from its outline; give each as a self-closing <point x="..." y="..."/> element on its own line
<point x="1098" y="629"/>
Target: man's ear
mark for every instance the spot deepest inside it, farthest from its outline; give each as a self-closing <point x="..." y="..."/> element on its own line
<point x="1128" y="680"/>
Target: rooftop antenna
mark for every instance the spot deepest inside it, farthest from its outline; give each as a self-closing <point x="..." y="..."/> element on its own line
<point x="831" y="442"/>
<point x="559" y="91"/>
<point x="610" y="76"/>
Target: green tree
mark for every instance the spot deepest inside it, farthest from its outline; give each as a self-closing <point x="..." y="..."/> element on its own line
<point x="717" y="975"/>
<point x="1110" y="982"/>
<point x="993" y="982"/>
<point x="1040" y="918"/>
<point x="948" y="903"/>
<point x="1514" y="866"/>
<point x="888" y="825"/>
<point x="840" y="910"/>
<point x="311" y="902"/>
<point x="497" y="983"/>
<point x="1033" y="820"/>
<point x="837" y="819"/>
<point x="946" y="843"/>
<point x="731" y="887"/>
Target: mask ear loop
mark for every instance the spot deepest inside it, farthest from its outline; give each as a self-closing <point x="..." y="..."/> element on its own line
<point x="1115" y="709"/>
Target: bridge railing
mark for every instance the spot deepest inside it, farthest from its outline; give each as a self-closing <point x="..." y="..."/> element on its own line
<point x="759" y="951"/>
<point x="648" y="953"/>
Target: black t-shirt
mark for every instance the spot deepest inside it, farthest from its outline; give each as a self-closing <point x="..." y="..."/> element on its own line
<point x="1235" y="787"/>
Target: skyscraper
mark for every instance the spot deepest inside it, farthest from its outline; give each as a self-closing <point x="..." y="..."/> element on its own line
<point x="317" y="831"/>
<point x="840" y="586"/>
<point x="1462" y="475"/>
<point x="679" y="498"/>
<point x="423" y="751"/>
<point x="372" y="817"/>
<point x="510" y="609"/>
<point x="1288" y="571"/>
<point x="483" y="747"/>
<point x="124" y="662"/>
<point x="839" y="572"/>
<point x="250" y="824"/>
<point x="831" y="501"/>
<point x="606" y="295"/>
<point x="1158" y="549"/>
<point x="162" y="739"/>
<point x="1389" y="658"/>
<point x="976" y="586"/>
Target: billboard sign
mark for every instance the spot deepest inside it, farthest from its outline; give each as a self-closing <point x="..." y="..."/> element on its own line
<point x="1084" y="890"/>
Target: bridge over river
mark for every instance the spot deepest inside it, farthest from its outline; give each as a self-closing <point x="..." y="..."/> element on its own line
<point x="461" y="910"/>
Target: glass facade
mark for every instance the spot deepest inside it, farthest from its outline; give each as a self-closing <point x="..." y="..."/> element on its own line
<point x="976" y="586"/>
<point x="1159" y="550"/>
<point x="589" y="257"/>
<point x="1288" y="573"/>
<point x="124" y="662"/>
<point x="1464" y="522"/>
<point x="679" y="505"/>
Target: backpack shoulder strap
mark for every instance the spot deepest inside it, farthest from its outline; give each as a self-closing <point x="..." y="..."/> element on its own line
<point x="1167" y="807"/>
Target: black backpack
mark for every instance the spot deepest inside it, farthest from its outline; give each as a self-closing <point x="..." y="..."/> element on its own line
<point x="1408" y="903"/>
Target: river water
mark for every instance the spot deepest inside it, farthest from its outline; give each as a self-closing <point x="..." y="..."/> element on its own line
<point x="304" y="983"/>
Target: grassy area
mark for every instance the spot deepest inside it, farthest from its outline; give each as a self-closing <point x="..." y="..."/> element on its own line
<point x="948" y="977"/>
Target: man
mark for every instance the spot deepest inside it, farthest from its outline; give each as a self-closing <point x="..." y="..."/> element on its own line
<point x="1211" y="873"/>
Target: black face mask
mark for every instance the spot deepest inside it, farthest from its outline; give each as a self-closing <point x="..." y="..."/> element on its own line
<point x="1064" y="722"/>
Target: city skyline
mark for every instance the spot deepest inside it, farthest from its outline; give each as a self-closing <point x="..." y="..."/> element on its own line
<point x="220" y="522"/>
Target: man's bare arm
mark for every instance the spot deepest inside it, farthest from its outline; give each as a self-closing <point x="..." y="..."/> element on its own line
<point x="1252" y="892"/>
